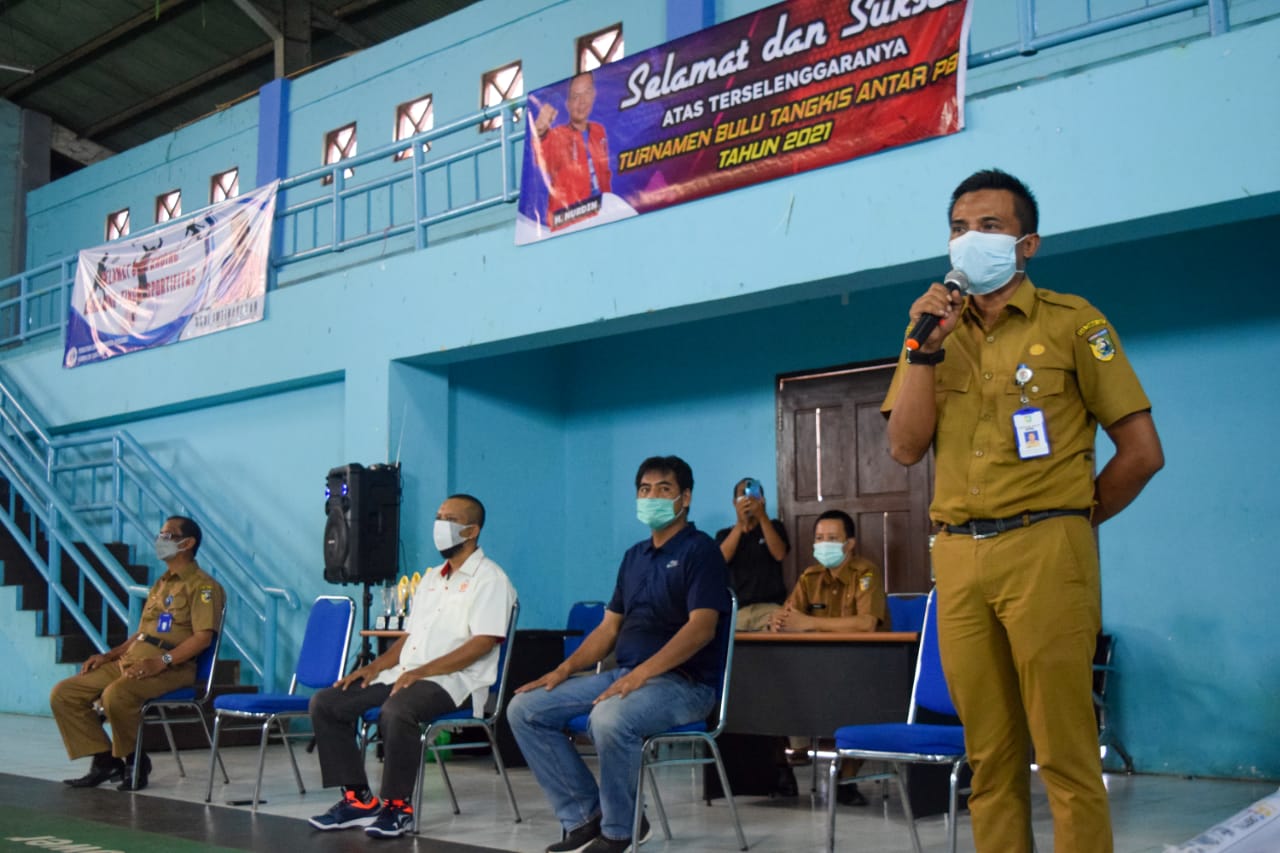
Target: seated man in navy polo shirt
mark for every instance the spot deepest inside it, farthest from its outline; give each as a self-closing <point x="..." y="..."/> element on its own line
<point x="668" y="623"/>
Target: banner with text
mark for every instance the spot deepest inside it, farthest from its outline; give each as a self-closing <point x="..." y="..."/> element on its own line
<point x="201" y="274"/>
<point x="796" y="86"/>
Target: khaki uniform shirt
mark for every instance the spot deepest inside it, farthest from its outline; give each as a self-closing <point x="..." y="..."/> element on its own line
<point x="852" y="589"/>
<point x="1080" y="378"/>
<point x="194" y="601"/>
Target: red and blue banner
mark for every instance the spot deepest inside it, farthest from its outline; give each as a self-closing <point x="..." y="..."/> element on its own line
<point x="796" y="86"/>
<point x="200" y="274"/>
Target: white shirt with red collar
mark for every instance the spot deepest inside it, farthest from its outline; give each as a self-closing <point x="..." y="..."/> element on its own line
<point x="474" y="601"/>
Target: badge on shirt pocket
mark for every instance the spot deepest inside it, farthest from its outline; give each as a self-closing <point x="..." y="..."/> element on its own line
<point x="1029" y="433"/>
<point x="165" y="623"/>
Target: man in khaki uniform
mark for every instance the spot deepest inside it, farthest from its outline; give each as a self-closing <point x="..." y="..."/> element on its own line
<point x="1011" y="408"/>
<point x="841" y="592"/>
<point x="179" y="621"/>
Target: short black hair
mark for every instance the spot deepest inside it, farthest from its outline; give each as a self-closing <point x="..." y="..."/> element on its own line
<point x="189" y="530"/>
<point x="1024" y="201"/>
<point x="850" y="530"/>
<point x="476" y="509"/>
<point x="673" y="465"/>
<point x="738" y="484"/>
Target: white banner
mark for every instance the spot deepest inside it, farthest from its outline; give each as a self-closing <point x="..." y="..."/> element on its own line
<point x="199" y="274"/>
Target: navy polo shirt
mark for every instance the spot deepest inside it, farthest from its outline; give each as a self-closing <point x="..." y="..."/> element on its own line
<point x="657" y="588"/>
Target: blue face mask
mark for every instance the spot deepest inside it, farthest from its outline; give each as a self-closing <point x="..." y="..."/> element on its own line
<point x="830" y="554"/>
<point x="989" y="260"/>
<point x="656" y="512"/>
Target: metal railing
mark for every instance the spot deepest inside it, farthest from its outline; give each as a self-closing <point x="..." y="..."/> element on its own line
<point x="319" y="211"/>
<point x="77" y="488"/>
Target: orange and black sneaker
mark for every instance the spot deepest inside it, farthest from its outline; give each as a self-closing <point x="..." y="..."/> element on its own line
<point x="347" y="813"/>
<point x="395" y="819"/>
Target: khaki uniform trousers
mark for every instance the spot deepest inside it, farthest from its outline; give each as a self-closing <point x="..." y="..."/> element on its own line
<point x="72" y="703"/>
<point x="755" y="617"/>
<point x="1018" y="618"/>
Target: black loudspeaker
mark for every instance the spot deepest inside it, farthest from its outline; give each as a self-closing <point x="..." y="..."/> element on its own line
<point x="362" y="524"/>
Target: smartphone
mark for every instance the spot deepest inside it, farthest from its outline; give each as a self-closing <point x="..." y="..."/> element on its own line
<point x="753" y="489"/>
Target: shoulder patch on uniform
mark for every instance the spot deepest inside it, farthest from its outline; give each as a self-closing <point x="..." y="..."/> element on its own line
<point x="1104" y="349"/>
<point x="206" y="594"/>
<point x="1092" y="324"/>
<point x="864" y="583"/>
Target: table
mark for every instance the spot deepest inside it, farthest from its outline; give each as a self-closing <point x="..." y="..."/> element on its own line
<point x="811" y="684"/>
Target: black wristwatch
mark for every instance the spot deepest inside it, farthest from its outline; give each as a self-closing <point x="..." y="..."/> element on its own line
<point x="166" y="659"/>
<point x="915" y="356"/>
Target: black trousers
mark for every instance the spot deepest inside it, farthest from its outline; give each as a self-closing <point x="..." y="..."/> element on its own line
<point x="335" y="714"/>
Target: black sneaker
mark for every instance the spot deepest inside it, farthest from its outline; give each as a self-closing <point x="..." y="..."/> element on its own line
<point x="578" y="839"/>
<point x="395" y="819"/>
<point x="605" y="844"/>
<point x="347" y="813"/>
<point x="849" y="795"/>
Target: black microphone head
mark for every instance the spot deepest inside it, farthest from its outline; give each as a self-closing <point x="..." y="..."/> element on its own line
<point x="957" y="279"/>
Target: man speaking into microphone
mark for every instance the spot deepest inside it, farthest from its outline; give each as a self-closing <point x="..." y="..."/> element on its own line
<point x="1011" y="406"/>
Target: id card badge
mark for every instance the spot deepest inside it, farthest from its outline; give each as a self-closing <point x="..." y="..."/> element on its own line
<point x="165" y="624"/>
<point x="1029" y="433"/>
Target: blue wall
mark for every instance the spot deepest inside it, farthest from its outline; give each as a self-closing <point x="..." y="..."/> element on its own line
<point x="538" y="378"/>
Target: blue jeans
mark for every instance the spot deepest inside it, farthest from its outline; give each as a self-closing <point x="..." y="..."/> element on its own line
<point x="618" y="728"/>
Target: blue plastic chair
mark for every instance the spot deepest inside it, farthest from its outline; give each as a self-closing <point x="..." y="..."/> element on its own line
<point x="191" y="699"/>
<point x="485" y="719"/>
<point x="901" y="744"/>
<point x="584" y="617"/>
<point x="906" y="610"/>
<point x="321" y="661"/>
<point x="696" y="732"/>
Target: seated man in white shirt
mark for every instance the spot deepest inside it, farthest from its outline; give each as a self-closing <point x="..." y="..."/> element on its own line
<point x="449" y="654"/>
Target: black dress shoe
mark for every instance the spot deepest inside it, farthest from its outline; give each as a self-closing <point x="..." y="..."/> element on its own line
<point x="849" y="795"/>
<point x="785" y="784"/>
<point x="135" y="781"/>
<point x="99" y="772"/>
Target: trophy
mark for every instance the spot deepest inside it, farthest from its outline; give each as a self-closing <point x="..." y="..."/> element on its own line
<point x="383" y="622"/>
<point x="402" y="596"/>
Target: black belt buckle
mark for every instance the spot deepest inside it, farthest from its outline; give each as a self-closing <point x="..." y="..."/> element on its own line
<point x="978" y="533"/>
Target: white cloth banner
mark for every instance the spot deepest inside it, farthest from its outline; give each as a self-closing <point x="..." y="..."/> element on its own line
<point x="199" y="274"/>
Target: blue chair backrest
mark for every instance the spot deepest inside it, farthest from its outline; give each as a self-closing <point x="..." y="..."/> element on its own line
<point x="584" y="616"/>
<point x="208" y="659"/>
<point x="504" y="647"/>
<point x="323" y="655"/>
<point x="906" y="612"/>
<point x="930" y="689"/>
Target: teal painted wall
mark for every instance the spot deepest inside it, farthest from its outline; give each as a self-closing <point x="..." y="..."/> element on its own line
<point x="538" y="378"/>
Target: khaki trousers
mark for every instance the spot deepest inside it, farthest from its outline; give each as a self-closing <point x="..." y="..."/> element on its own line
<point x="755" y="617"/>
<point x="1018" y="618"/>
<point x="72" y="704"/>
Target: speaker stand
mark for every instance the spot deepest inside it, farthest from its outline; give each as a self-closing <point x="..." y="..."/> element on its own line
<point x="365" y="656"/>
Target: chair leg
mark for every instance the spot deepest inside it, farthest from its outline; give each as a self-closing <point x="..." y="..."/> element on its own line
<point x="901" y="770"/>
<point x="288" y="745"/>
<point x="226" y="780"/>
<point x="952" y="807"/>
<point x="502" y="770"/>
<point x="728" y="794"/>
<point x="214" y="758"/>
<point x="262" y="758"/>
<point x="173" y="745"/>
<point x="832" y="782"/>
<point x="444" y="774"/>
<point x="657" y="800"/>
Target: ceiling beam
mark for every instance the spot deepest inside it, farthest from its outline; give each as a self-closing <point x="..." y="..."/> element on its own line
<point x="62" y="63"/>
<point x="172" y="94"/>
<point x="69" y="144"/>
<point x="323" y="20"/>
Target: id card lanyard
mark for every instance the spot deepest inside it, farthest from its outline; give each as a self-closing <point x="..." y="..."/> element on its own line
<point x="1029" y="432"/>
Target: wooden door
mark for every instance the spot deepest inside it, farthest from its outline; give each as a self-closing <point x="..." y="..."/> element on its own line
<point x="833" y="453"/>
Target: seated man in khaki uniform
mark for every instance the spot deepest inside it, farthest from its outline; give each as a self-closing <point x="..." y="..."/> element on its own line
<point x="840" y="592"/>
<point x="179" y="621"/>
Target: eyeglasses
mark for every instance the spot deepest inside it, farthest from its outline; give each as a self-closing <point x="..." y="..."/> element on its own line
<point x="170" y="537"/>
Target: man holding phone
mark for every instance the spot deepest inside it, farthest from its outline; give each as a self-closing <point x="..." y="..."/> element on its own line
<point x="754" y="549"/>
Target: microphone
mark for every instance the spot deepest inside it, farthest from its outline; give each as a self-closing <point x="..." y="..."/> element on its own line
<point x="955" y="281"/>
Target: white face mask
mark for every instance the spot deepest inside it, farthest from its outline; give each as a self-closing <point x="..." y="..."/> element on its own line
<point x="989" y="260"/>
<point x="166" y="549"/>
<point x="447" y="534"/>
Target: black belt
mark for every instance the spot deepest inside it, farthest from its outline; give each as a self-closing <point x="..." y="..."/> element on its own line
<point x="156" y="641"/>
<point x="985" y="528"/>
